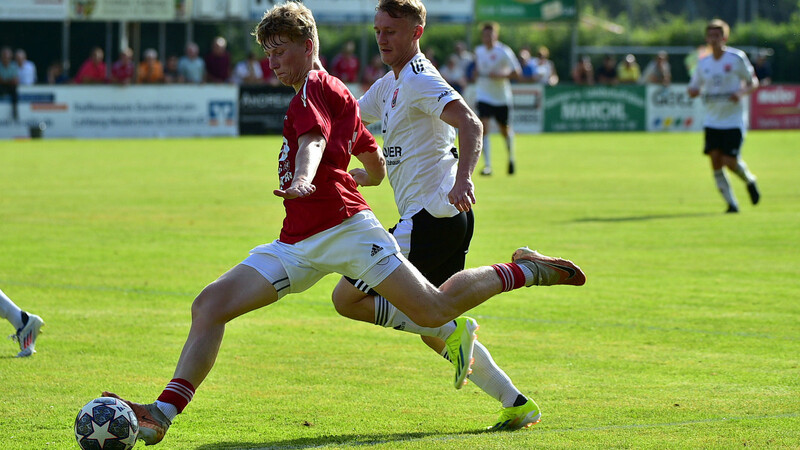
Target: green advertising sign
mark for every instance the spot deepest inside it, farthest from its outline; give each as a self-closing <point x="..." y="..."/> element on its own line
<point x="594" y="108"/>
<point x="526" y="10"/>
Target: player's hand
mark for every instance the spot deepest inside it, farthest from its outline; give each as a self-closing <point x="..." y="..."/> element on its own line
<point x="296" y="190"/>
<point x="462" y="196"/>
<point x="735" y="97"/>
<point x="361" y="176"/>
<point x="693" y="92"/>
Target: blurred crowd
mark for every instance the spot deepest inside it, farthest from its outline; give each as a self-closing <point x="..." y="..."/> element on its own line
<point x="217" y="66"/>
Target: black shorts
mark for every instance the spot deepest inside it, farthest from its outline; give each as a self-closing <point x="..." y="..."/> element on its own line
<point x="728" y="141"/>
<point x="438" y="246"/>
<point x="498" y="113"/>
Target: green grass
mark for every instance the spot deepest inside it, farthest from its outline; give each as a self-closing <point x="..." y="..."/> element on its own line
<point x="686" y="335"/>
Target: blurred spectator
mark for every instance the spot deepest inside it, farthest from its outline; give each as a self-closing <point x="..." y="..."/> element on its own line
<point x="373" y="72"/>
<point x="57" y="73"/>
<point x="345" y="65"/>
<point x="628" y="70"/>
<point x="150" y="69"/>
<point x="658" y="70"/>
<point x="528" y="64"/>
<point x="465" y="57"/>
<point x="763" y="68"/>
<point x="607" y="73"/>
<point x="583" y="72"/>
<point x="430" y="53"/>
<point x="93" y="70"/>
<point x="692" y="58"/>
<point x="9" y="78"/>
<point x="545" y="69"/>
<point x="218" y="62"/>
<point x="171" y="74"/>
<point x="454" y="74"/>
<point x="248" y="71"/>
<point x="191" y="68"/>
<point x="26" y="68"/>
<point x="123" y="70"/>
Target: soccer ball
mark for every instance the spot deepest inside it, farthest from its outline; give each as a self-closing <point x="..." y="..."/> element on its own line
<point x="106" y="423"/>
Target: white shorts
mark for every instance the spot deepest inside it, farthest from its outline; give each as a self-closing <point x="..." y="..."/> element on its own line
<point x="359" y="248"/>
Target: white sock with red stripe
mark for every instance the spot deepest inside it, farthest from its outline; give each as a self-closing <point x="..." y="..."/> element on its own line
<point x="177" y="394"/>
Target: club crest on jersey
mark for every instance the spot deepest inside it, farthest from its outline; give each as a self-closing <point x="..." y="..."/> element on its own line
<point x="394" y="97"/>
<point x="727" y="67"/>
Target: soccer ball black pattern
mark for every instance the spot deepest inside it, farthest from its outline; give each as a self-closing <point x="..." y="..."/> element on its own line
<point x="106" y="423"/>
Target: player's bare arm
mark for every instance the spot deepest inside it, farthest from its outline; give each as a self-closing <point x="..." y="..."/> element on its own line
<point x="749" y="87"/>
<point x="309" y="154"/>
<point x="374" y="169"/>
<point x="470" y="131"/>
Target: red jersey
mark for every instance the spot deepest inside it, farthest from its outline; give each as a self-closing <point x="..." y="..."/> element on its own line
<point x="325" y="105"/>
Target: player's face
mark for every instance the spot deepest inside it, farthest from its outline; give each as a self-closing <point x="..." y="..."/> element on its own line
<point x="398" y="39"/>
<point x="290" y="60"/>
<point x="715" y="38"/>
<point x="488" y="37"/>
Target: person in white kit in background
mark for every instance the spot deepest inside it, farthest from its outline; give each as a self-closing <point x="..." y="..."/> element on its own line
<point x="495" y="65"/>
<point x="433" y="191"/>
<point x="727" y="77"/>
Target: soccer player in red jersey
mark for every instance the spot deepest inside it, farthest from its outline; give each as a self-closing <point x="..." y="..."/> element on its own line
<point x="328" y="228"/>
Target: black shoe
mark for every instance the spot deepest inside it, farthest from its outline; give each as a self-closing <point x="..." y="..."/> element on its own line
<point x="754" y="194"/>
<point x="486" y="171"/>
<point x="732" y="209"/>
<point x="511" y="167"/>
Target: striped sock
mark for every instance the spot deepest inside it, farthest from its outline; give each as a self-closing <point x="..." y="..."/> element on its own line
<point x="511" y="275"/>
<point x="178" y="392"/>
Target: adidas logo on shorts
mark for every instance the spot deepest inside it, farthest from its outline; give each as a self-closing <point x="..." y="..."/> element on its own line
<point x="375" y="249"/>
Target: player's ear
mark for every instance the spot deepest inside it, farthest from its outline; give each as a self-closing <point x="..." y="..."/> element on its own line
<point x="309" y="47"/>
<point x="418" y="30"/>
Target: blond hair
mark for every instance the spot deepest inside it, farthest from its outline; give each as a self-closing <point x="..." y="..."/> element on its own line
<point x="719" y="24"/>
<point x="412" y="10"/>
<point x="292" y="20"/>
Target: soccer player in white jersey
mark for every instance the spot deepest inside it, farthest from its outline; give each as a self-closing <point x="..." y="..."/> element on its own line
<point x="433" y="190"/>
<point x="328" y="228"/>
<point x="27" y="325"/>
<point x="495" y="66"/>
<point x="727" y="77"/>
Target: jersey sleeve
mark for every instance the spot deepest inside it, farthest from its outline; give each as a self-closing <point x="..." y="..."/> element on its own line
<point x="746" y="70"/>
<point x="512" y="59"/>
<point x="431" y="93"/>
<point x="370" y="103"/>
<point x="696" y="82"/>
<point x="365" y="142"/>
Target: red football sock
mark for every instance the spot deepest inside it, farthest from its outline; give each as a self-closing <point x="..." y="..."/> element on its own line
<point x="510" y="275"/>
<point x="178" y="392"/>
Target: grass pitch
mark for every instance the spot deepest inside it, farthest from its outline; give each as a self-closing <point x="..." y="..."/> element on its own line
<point x="686" y="335"/>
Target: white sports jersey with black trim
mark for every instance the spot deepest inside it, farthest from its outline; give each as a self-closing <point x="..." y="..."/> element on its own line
<point x="720" y="78"/>
<point x="500" y="59"/>
<point x="419" y="146"/>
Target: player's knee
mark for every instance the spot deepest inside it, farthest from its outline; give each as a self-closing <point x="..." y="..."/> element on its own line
<point x="206" y="306"/>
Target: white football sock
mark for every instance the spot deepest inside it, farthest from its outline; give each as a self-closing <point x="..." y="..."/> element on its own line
<point x="10" y="311"/>
<point x="744" y="172"/>
<point x="487" y="151"/>
<point x="168" y="409"/>
<point x="725" y="188"/>
<point x="488" y="376"/>
<point x="386" y="315"/>
<point x="510" y="145"/>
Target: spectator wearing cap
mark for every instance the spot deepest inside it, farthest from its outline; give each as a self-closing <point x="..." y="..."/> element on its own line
<point x="658" y="70"/>
<point x="150" y="69"/>
<point x="628" y="70"/>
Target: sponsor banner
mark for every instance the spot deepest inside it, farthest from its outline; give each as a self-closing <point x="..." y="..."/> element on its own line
<point x="594" y="108"/>
<point x="669" y="108"/>
<point x="527" y="114"/>
<point x="363" y="11"/>
<point x="262" y="108"/>
<point x="134" y="10"/>
<point x="526" y="10"/>
<point x="123" y="111"/>
<point x="221" y="9"/>
<point x="42" y="10"/>
<point x="775" y="107"/>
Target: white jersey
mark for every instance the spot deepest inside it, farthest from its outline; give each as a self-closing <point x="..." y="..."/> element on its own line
<point x="500" y="59"/>
<point x="419" y="147"/>
<point x="721" y="78"/>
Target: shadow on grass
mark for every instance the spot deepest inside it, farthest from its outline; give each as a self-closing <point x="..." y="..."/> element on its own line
<point x="355" y="440"/>
<point x="643" y="218"/>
